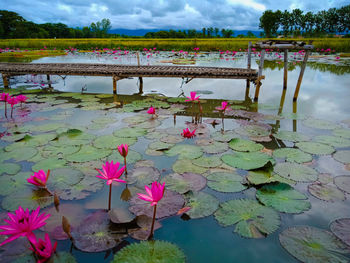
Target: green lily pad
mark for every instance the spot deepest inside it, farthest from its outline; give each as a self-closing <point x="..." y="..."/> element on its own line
<point x="112" y="142"/>
<point x="333" y="141"/>
<point x="144" y="222"/>
<point x="49" y="163"/>
<point x="87" y="153"/>
<point x="326" y="192"/>
<point x="64" y="178"/>
<point x="150" y="251"/>
<point x="167" y="206"/>
<point x="296" y="172"/>
<point x="253" y="130"/>
<point x="342" y="156"/>
<point x="160" y="146"/>
<point x="341" y="228"/>
<point x="315" y="147"/>
<point x="226" y="182"/>
<point x="172" y="139"/>
<point x="104" y="120"/>
<point x="185" y="151"/>
<point x="9" y="168"/>
<point x="345" y="133"/>
<point x="50" y="151"/>
<point x="136" y="119"/>
<point x="214" y="147"/>
<point x="343" y="183"/>
<point x="121" y="215"/>
<point x="266" y="176"/>
<point x="130" y="132"/>
<point x="253" y="219"/>
<point x="320" y="124"/>
<point x="242" y="145"/>
<point x="183" y="183"/>
<point x="291" y="136"/>
<point x="131" y="158"/>
<point x="73" y="137"/>
<point x="150" y="124"/>
<point x="207" y="162"/>
<point x="87" y="186"/>
<point x="223" y="137"/>
<point x="58" y="257"/>
<point x="14" y="137"/>
<point x="143" y="176"/>
<point x="292" y="155"/>
<point x="153" y="135"/>
<point x="36" y="140"/>
<point x="13" y="183"/>
<point x="202" y="204"/>
<point x="313" y="245"/>
<point x="247" y="161"/>
<point x="283" y="198"/>
<point x="183" y="166"/>
<point x="47" y="127"/>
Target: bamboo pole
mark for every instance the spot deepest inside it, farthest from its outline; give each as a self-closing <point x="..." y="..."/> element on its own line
<point x="285" y="73"/>
<point x="303" y="66"/>
<point x="48" y="81"/>
<point x="115" y="79"/>
<point x="5" y="80"/>
<point x="260" y="76"/>
<point x="248" y="67"/>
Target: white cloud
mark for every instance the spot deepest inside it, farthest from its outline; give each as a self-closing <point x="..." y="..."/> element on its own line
<point x="248" y="3"/>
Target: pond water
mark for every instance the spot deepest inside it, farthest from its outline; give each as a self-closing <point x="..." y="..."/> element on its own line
<point x="266" y="186"/>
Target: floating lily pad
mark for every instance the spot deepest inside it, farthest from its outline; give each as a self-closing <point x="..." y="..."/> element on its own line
<point x="283" y="198"/>
<point x="292" y="155"/>
<point x="88" y="153"/>
<point x="343" y="183"/>
<point x="136" y="119"/>
<point x="13" y="183"/>
<point x="242" y="145"/>
<point x="247" y="161"/>
<point x="35" y="140"/>
<point x="342" y="156"/>
<point x="296" y="172"/>
<point x="345" y="133"/>
<point x="63" y="178"/>
<point x="172" y="139"/>
<point x="266" y="176"/>
<point x="104" y="120"/>
<point x="333" y="141"/>
<point x="291" y="136"/>
<point x="49" y="163"/>
<point x="214" y="147"/>
<point x="13" y="137"/>
<point x="87" y="186"/>
<point x="150" y="124"/>
<point x="121" y="215"/>
<point x="143" y="176"/>
<point x="313" y="245"/>
<point x="326" y="192"/>
<point x="207" y="162"/>
<point x="167" y="206"/>
<point x="152" y="135"/>
<point x="341" y="228"/>
<point x="226" y="182"/>
<point x="320" y="124"/>
<point x="253" y="130"/>
<point x="253" y="220"/>
<point x="132" y="157"/>
<point x="185" y="151"/>
<point x="145" y="223"/>
<point x="47" y="127"/>
<point x="202" y="204"/>
<point x="315" y="148"/>
<point x="160" y="146"/>
<point x="9" y="168"/>
<point x="150" y="251"/>
<point x="183" y="166"/>
<point x="111" y="142"/>
<point x="223" y="136"/>
<point x="183" y="183"/>
<point x="50" y="151"/>
<point x="130" y="132"/>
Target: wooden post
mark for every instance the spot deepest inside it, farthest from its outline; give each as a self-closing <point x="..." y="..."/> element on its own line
<point x="295" y="112"/>
<point x="48" y="81"/>
<point x="248" y="67"/>
<point x="140" y="78"/>
<point x="138" y="58"/>
<point x="115" y="79"/>
<point x="140" y="86"/>
<point x="280" y="109"/>
<point x="5" y="80"/>
<point x="260" y="76"/>
<point x="285" y="74"/>
<point x="303" y="66"/>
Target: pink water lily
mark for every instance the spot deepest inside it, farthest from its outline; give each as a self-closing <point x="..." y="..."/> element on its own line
<point x="186" y="133"/>
<point x="39" y="179"/>
<point x="155" y="193"/>
<point x="193" y="96"/>
<point x="224" y="106"/>
<point x="123" y="150"/>
<point x="21" y="98"/>
<point x="4" y="97"/>
<point x="44" y="249"/>
<point x="151" y="110"/>
<point x="111" y="172"/>
<point x="23" y="223"/>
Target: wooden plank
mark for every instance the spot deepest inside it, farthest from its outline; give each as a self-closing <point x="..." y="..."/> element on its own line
<point x="303" y="66"/>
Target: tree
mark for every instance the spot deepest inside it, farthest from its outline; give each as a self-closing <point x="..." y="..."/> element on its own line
<point x="9" y="21"/>
<point x="216" y="32"/>
<point x="203" y="30"/>
<point x="105" y="26"/>
<point x="270" y="21"/>
<point x="227" y="33"/>
<point x="344" y="19"/>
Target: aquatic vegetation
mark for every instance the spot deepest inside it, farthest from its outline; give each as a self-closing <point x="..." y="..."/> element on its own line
<point x="123" y="150"/>
<point x="44" y="248"/>
<point x="186" y="133"/>
<point x="39" y="179"/>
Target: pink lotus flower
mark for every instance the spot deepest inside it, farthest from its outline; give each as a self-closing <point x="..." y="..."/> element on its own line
<point x="186" y="133"/>
<point x="4" y="96"/>
<point x="123" y="150"/>
<point x="193" y="96"/>
<point x="155" y="194"/>
<point x="44" y="249"/>
<point x="21" y="98"/>
<point x="111" y="172"/>
<point x="22" y="223"/>
<point x="39" y="179"/>
<point x="151" y="110"/>
<point x="224" y="106"/>
<point x="12" y="101"/>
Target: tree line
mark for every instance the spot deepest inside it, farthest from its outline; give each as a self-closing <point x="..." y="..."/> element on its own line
<point x="296" y="22"/>
<point x="209" y="32"/>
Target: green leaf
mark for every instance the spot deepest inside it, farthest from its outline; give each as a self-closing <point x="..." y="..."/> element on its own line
<point x="183" y="166"/>
<point x="223" y="137"/>
<point x="258" y="177"/>
<point x="292" y="155"/>
<point x="13" y="183"/>
<point x="183" y="183"/>
<point x="341" y="228"/>
<point x="88" y="153"/>
<point x="326" y="192"/>
<point x="185" y="151"/>
<point x="345" y="133"/>
<point x="131" y="158"/>
<point x="215" y="147"/>
<point x="342" y="156"/>
<point x="320" y="124"/>
<point x="49" y="163"/>
<point x="130" y="132"/>
<point x="64" y="178"/>
<point x="343" y="183"/>
<point x="242" y="145"/>
<point x="315" y="148"/>
<point x="291" y="136"/>
<point x="296" y="172"/>
<point x="207" y="162"/>
<point x="226" y="182"/>
<point x="202" y="204"/>
<point x="111" y="142"/>
<point x="143" y="176"/>
<point x="247" y="161"/>
<point x="333" y="141"/>
<point x="9" y="168"/>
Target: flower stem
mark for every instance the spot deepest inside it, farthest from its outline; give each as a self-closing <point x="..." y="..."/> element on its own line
<point x="110" y="197"/>
<point x="5" y="109"/>
<point x="154" y="219"/>
<point x="11" y="112"/>
<point x="126" y="170"/>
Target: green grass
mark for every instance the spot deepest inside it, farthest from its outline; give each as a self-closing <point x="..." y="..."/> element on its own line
<point x="212" y="44"/>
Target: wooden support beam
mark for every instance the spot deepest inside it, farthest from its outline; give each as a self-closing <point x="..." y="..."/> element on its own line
<point x="48" y="81"/>
<point x="303" y="66"/>
<point x="115" y="79"/>
<point x="140" y="86"/>
<point x="249" y="58"/>
<point x="257" y="89"/>
<point x="261" y="64"/>
<point x="285" y="72"/>
<point x="295" y="112"/>
<point x="5" y="80"/>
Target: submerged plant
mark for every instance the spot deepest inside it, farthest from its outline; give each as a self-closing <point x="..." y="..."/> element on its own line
<point x="154" y="195"/>
<point x="123" y="150"/>
<point x="111" y="172"/>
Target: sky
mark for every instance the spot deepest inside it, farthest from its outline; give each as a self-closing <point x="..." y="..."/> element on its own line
<point x="160" y="14"/>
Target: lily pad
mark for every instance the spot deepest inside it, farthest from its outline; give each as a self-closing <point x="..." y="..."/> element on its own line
<point x="13" y="183"/>
<point x="342" y="156"/>
<point x="121" y="215"/>
<point x="136" y="119"/>
<point x="160" y="146"/>
<point x="253" y="130"/>
<point x="291" y="136"/>
<point x="326" y="192"/>
<point x="226" y="182"/>
<point x="247" y="161"/>
<point x="73" y="137"/>
<point x="49" y="163"/>
<point x="253" y="219"/>
<point x="145" y="223"/>
<point x="172" y="139"/>
<point x="341" y="228"/>
<point x="223" y="136"/>
<point x="167" y="206"/>
<point x="313" y="245"/>
<point x="242" y="145"/>
<point x="111" y="142"/>
<point x="296" y="172"/>
<point x="143" y="176"/>
<point x="207" y="162"/>
<point x="132" y="157"/>
<point x="320" y="124"/>
<point x="36" y="140"/>
<point x="283" y="198"/>
<point x="202" y="204"/>
<point x="87" y="186"/>
<point x="88" y="153"/>
<point x="183" y="183"/>
<point x="292" y="155"/>
<point x="63" y="178"/>
<point x="315" y="148"/>
<point x="130" y="132"/>
<point x="343" y="183"/>
<point x="345" y="133"/>
<point x="333" y="141"/>
<point x="214" y="147"/>
<point x="50" y="151"/>
<point x="47" y="127"/>
<point x="183" y="166"/>
<point x="150" y="251"/>
<point x="9" y="168"/>
<point x="104" y="120"/>
<point x="185" y="151"/>
<point x="258" y="177"/>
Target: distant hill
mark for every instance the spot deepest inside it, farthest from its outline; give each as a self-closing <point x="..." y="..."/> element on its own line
<point x="142" y="32"/>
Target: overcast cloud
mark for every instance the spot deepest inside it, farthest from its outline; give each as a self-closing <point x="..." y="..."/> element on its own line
<point x="155" y="14"/>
